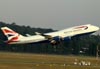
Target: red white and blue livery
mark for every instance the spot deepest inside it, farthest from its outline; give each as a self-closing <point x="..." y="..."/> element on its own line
<point x="53" y="37"/>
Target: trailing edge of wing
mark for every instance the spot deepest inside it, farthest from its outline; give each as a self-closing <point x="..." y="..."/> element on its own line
<point x="46" y="36"/>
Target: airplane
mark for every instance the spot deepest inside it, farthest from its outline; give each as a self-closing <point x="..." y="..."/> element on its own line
<point x="52" y="37"/>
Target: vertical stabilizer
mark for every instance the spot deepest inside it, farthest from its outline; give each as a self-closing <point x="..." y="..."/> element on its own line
<point x="11" y="35"/>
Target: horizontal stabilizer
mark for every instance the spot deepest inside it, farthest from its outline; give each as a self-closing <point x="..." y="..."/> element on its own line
<point x="37" y="33"/>
<point x="28" y="35"/>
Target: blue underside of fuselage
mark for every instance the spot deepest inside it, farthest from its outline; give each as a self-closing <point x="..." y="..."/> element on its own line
<point x="83" y="34"/>
<point x="65" y="38"/>
<point x="45" y="41"/>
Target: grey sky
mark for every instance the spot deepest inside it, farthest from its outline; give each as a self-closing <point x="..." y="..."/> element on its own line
<point x="56" y="14"/>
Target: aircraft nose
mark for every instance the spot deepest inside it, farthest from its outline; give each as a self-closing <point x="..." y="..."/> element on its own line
<point x="97" y="28"/>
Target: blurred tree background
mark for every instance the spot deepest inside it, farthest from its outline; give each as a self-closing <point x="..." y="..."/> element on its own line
<point x="83" y="45"/>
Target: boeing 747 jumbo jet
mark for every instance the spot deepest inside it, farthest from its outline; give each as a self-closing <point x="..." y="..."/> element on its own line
<point x="53" y="37"/>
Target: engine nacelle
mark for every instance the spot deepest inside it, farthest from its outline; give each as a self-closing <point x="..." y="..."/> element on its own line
<point x="57" y="38"/>
<point x="67" y="38"/>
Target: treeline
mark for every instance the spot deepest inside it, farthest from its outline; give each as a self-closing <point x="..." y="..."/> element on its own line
<point x="83" y="45"/>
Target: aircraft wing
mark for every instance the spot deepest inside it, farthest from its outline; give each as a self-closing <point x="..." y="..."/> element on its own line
<point x="48" y="37"/>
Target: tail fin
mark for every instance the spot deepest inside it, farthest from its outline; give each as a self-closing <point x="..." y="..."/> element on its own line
<point x="10" y="34"/>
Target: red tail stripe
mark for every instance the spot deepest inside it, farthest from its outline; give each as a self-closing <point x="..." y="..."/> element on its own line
<point x="12" y="39"/>
<point x="8" y="31"/>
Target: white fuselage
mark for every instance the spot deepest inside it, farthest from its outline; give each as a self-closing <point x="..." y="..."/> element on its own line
<point x="70" y="32"/>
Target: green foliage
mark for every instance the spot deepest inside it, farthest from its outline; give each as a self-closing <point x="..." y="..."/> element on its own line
<point x="83" y="45"/>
